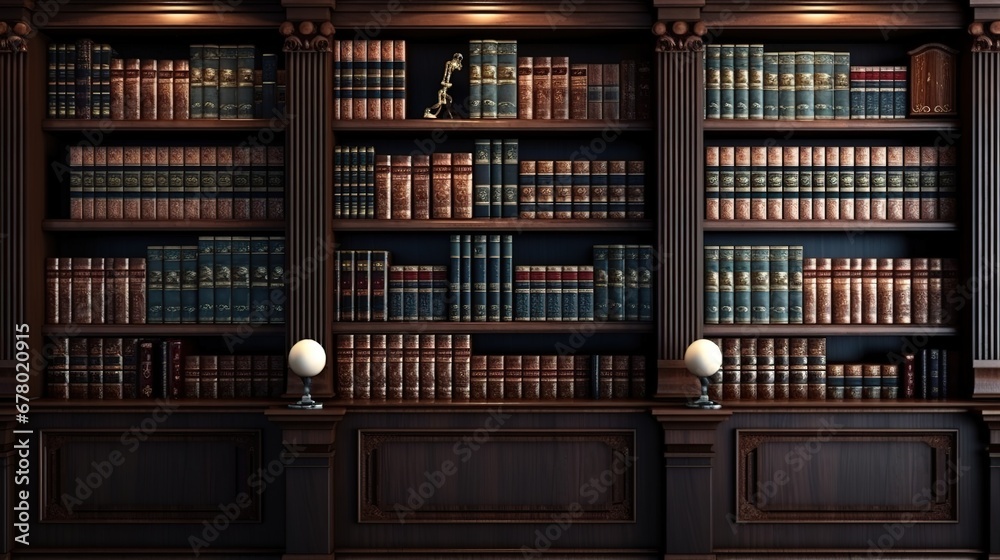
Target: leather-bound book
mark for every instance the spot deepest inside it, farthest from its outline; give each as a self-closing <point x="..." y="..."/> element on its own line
<point x="65" y="291"/>
<point x="581" y="377"/>
<point x="920" y="291"/>
<point x="902" y="307"/>
<point x="782" y="368"/>
<point x="525" y="88"/>
<point x="871" y="381"/>
<point x="421" y="183"/>
<point x="117" y="85"/>
<point x="856" y="291"/>
<point x="712" y="183"/>
<point x="599" y="189"/>
<point x="399" y="79"/>
<point x="277" y="375"/>
<point x="563" y="189"/>
<point x="929" y="190"/>
<point x="565" y="377"/>
<point x="164" y="90"/>
<point x="869" y="290"/>
<point x="769" y="206"/>
<point x="862" y="183"/>
<point x="373" y="79"/>
<point x="894" y="183"/>
<point x="884" y="291"/>
<point x="227" y="377"/>
<point x="512" y="373"/>
<point x="612" y="91"/>
<point x="52" y="291"/>
<point x="362" y="366"/>
<point x="259" y="372"/>
<point x="427" y="371"/>
<point x="81" y="291"/>
<point x="77" y="372"/>
<point x="765" y="369"/>
<point x="359" y="82"/>
<point x="947" y="182"/>
<point x="748" y="369"/>
<point x="595" y="91"/>
<point x="578" y="91"/>
<point x="531" y="374"/>
<point x="114" y="179"/>
<point x="383" y="190"/>
<point x="95" y="368"/>
<point x="824" y="291"/>
<point x="494" y="377"/>
<point x="548" y="376"/>
<point x="387" y="74"/>
<point x="581" y="189"/>
<point x="798" y="368"/>
<point x="735" y="200"/>
<point x="243" y="388"/>
<point x="100" y="172"/>
<point x="111" y="363"/>
<point x="731" y="369"/>
<point x="400" y="187"/>
<point x="441" y="185"/>
<point x="181" y="93"/>
<point x="911" y="183"/>
<point x="208" y="378"/>
<point x="137" y="290"/>
<point x="461" y="366"/>
<point x="242" y="187"/>
<point x="890" y="381"/>
<point x="790" y="188"/>
<point x="345" y="366"/>
<point x="602" y="366"/>
<point x="619" y="376"/>
<point x="443" y="366"/>
<point x="130" y="381"/>
<point x="878" y="179"/>
<point x="628" y="87"/>
<point x="949" y="285"/>
<point x="834" y="381"/>
<point x="131" y="92"/>
<point x="394" y="367"/>
<point x="847" y="187"/>
<point x="119" y="294"/>
<point x="833" y="196"/>
<point x="935" y="293"/>
<point x="816" y="368"/>
<point x="461" y="185"/>
<point x="818" y="183"/>
<point x="478" y="378"/>
<point x="542" y="83"/>
<point x="147" y="89"/>
<point x="560" y="86"/>
<point x="258" y="183"/>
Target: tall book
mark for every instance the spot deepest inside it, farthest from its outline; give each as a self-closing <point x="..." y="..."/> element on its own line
<point x="475" y="79"/>
<point x="525" y="87"/>
<point x="578" y="90"/>
<point x="741" y="81"/>
<point x="726" y="81"/>
<point x="542" y="84"/>
<point x="195" y="94"/>
<point x="755" y="102"/>
<point x="489" y="79"/>
<point x="509" y="177"/>
<point x="462" y="185"/>
<point x="770" y="94"/>
<point x="760" y="297"/>
<point x="481" y="177"/>
<point x="210" y="75"/>
<point x="441" y="185"/>
<point x="506" y="78"/>
<point x="823" y="86"/>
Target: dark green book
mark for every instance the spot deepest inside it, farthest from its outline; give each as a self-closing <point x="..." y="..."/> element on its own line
<point x="240" y="275"/>
<point x="741" y="284"/>
<point x="259" y="280"/>
<point x="632" y="282"/>
<point x="496" y="178"/>
<point x="804" y="86"/>
<point x="510" y="172"/>
<point x="223" y="279"/>
<point x="465" y="278"/>
<point x="823" y="77"/>
<point x="795" y="284"/>
<point x="760" y="285"/>
<point x="711" y="285"/>
<point x="206" y="280"/>
<point x="713" y="81"/>
<point x="245" y="56"/>
<point x="646" y="269"/>
<point x="726" y="295"/>
<point x="786" y="85"/>
<point x="475" y="79"/>
<point x="210" y="81"/>
<point x="506" y="277"/>
<point x="770" y="98"/>
<point x="171" y="284"/>
<point x="507" y="79"/>
<point x="727" y="94"/>
<point x="479" y="276"/>
<point x="756" y="87"/>
<point x="493" y="277"/>
<point x="601" y="310"/>
<point x="841" y="85"/>
<point x="481" y="179"/>
<point x="741" y="81"/>
<point x="489" y="79"/>
<point x="228" y="81"/>
<point x="276" y="264"/>
<point x="195" y="95"/>
<point x="154" y="284"/>
<point x="189" y="284"/>
<point x="778" y="272"/>
<point x="454" y="277"/>
<point x="616" y="282"/>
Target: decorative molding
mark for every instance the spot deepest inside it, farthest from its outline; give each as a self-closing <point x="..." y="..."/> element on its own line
<point x="14" y="38"/>
<point x="680" y="36"/>
<point x="985" y="36"/>
<point x="307" y="36"/>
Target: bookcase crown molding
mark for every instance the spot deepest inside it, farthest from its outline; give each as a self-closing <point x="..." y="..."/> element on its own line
<point x="14" y="37"/>
<point x="818" y="14"/>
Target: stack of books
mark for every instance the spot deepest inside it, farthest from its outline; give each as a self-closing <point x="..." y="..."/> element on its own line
<point x="95" y="290"/>
<point x="369" y="79"/>
<point x="581" y="189"/>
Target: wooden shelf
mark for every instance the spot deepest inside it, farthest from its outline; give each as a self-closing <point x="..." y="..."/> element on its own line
<point x="184" y="125"/>
<point x="827" y="330"/>
<point x="827" y="225"/>
<point x="504" y="327"/>
<point x="500" y="224"/>
<point x="522" y="405"/>
<point x="866" y="406"/>
<point x="163" y="225"/>
<point x="145" y="405"/>
<point x="844" y="125"/>
<point x="487" y="125"/>
<point x="168" y="329"/>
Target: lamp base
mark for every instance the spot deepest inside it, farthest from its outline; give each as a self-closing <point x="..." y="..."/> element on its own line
<point x="311" y="405"/>
<point x="704" y="402"/>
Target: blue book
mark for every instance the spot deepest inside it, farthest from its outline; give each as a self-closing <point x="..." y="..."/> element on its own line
<point x="496" y="178"/>
<point x="770" y="98"/>
<point x="741" y="81"/>
<point x="411" y="293"/>
<point x="488" y="77"/>
<point x="276" y="278"/>
<point x="872" y="78"/>
<point x="646" y="283"/>
<point x="172" y="284"/>
<point x="570" y="292"/>
<point x="506" y="277"/>
<point x="493" y="278"/>
<point x="795" y="283"/>
<point x="508" y="204"/>
<point x="778" y="272"/>
<point x="786" y="85"/>
<point x="712" y="81"/>
<point x="240" y="303"/>
<point x="857" y="92"/>
<point x="455" y="278"/>
<point x="600" y="283"/>
<point x="154" y="284"/>
<point x="599" y="189"/>
<point x="506" y="79"/>
<point x="562" y="189"/>
<point x="823" y="86"/>
<point x="195" y="96"/>
<point x="544" y="190"/>
<point x="395" y="291"/>
<point x="228" y="73"/>
<point x="617" y="189"/>
<point x="206" y="280"/>
<point x="804" y="87"/>
<point x="760" y="284"/>
<point x="245" y="56"/>
<point x="522" y="293"/>
<point x="741" y="284"/>
<point x="726" y="82"/>
<point x="842" y="85"/>
<point x="899" y="104"/>
<point x="439" y="292"/>
<point x="269" y="84"/>
<point x="537" y="300"/>
<point x="711" y="285"/>
<point x="481" y="179"/>
<point x="632" y="282"/>
<point x="585" y="294"/>
<point x="475" y="79"/>
<point x="189" y="284"/>
<point x="223" y="279"/>
<point x="581" y="188"/>
<point x="210" y="81"/>
<point x="616" y="282"/>
<point x="553" y="293"/>
<point x="526" y="202"/>
<point x="478" y="277"/>
<point x="260" y="302"/>
<point x="886" y="92"/>
<point x="726" y="316"/>
<point x="755" y="101"/>
<point x="466" y="278"/>
<point x="425" y="291"/>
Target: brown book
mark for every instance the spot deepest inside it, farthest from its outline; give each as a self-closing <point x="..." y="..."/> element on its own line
<point x="531" y="372"/>
<point x="386" y="93"/>
<point x="137" y="291"/>
<point x="871" y="381"/>
<point x="100" y="183"/>
<point x="494" y="377"/>
<point x="781" y="368"/>
<point x="824" y="291"/>
<point x="177" y="350"/>
<point x="242" y="162"/>
<point x="76" y="162"/>
<point x="890" y="381"/>
<point x="79" y="374"/>
<point x="560" y="87"/>
<point x="421" y="187"/>
<point x="809" y="291"/>
<point x="847" y="187"/>
<point x="191" y="201"/>
<point x="581" y="189"/>
<point x="565" y="372"/>
<point x="383" y="190"/>
<point x="379" y="357"/>
<point x="207" y="199"/>
<point x="443" y="371"/>
<point x="816" y="368"/>
<point x="635" y="191"/>
<point x="95" y="368"/>
<point x="834" y="382"/>
<point x="461" y="366"/>
<point x="147" y="89"/>
<point x="545" y="194"/>
<point x="66" y="290"/>
<point x="806" y="176"/>
<point x="734" y="201"/>
<point x="612" y="91"/>
<point x="595" y="91"/>
<point x="120" y="286"/>
<point x="117" y="91"/>
<point x="599" y="189"/>
<point x="541" y="81"/>
<point x="347" y="64"/>
<point x="144" y="369"/>
<point x="833" y="186"/>
<point x="97" y="291"/>
<point x="935" y="295"/>
<point x="526" y="189"/>
<point x="869" y="291"/>
<point x="174" y="206"/>
<point x="394" y="367"/>
<point x="227" y="377"/>
<point x="140" y="177"/>
<point x="617" y="196"/>
<point x="258" y="183"/>
<point x="790" y="184"/>
<point x="907" y="381"/>
<point x="441" y="185"/>
<point x="619" y="376"/>
<point x="902" y="313"/>
<point x="856" y="291"/>
<point x="277" y="375"/>
<point x="798" y="369"/>
<point x="884" y="291"/>
<point x="748" y="369"/>
<point x="345" y="366"/>
<point x="57" y="370"/>
<point x="401" y="187"/>
<point x="911" y="183"/>
<point x="731" y="355"/>
<point x="260" y="371"/>
<point x="819" y="183"/>
<point x="947" y="182"/>
<point x="88" y="182"/>
<point x="411" y="367"/>
<point x="512" y="377"/>
<point x="208" y="385"/>
<point x="164" y="90"/>
<point x="581" y="377"/>
<point x="754" y="205"/>
<point x="894" y="183"/>
<point x="52" y="291"/>
<point x="605" y="382"/>
<point x="181" y="97"/>
<point x="399" y="100"/>
<point x="81" y="296"/>
<point x="110" y="289"/>
<point x="715" y="381"/>
<point x="628" y="89"/>
<point x="362" y="366"/>
<point x="563" y="189"/>
<point x="929" y="189"/>
<point x="879" y="183"/>
<point x="525" y="88"/>
<point x="130" y="349"/>
<point x="712" y="200"/>
<point x="461" y="185"/>
<point x="765" y="369"/>
<point x="578" y="91"/>
<point x="374" y="76"/>
<point x="243" y="383"/>
<point x="862" y="183"/>
<point x="116" y="187"/>
<point x="427" y="371"/>
<point x="477" y="377"/>
<point x="360" y="79"/>
<point x="920" y="291"/>
<point x="131" y="89"/>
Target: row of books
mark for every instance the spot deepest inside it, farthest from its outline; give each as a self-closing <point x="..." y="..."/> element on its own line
<point x="442" y="366"/>
<point x="551" y="87"/>
<point x="95" y="290"/>
<point x="555" y="293"/>
<point x="830" y="182"/>
<point x="775" y="285"/>
<point x="87" y="80"/>
<point x="494" y="178"/>
<point x="127" y="368"/>
<point x="747" y="82"/>
<point x="581" y="189"/>
<point x="175" y="182"/>
<point x="222" y="279"/>
<point x="369" y="79"/>
<point x="493" y="68"/>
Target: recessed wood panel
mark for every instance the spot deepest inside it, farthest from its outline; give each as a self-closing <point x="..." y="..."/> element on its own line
<point x="510" y="476"/>
<point x="170" y="476"/>
<point x="846" y="476"/>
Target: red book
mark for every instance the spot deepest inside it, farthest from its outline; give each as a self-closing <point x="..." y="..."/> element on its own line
<point x="383" y="194"/>
<point x="130" y="94"/>
<point x="494" y="377"/>
<point x="461" y="185"/>
<point x="441" y="185"/>
<point x="541" y="81"/>
<point x="443" y="358"/>
<point x="144" y="366"/>
<point x="374" y="76"/>
<point x="411" y="366"/>
<point x="477" y="377"/>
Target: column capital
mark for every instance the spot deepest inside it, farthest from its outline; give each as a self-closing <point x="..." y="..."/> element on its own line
<point x="679" y="36"/>
<point x="307" y="36"/>
<point x="14" y="37"/>
<point x="985" y="36"/>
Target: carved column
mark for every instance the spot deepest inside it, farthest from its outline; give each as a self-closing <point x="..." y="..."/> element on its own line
<point x="309" y="243"/>
<point x="679" y="85"/>
<point x="688" y="439"/>
<point x="310" y="490"/>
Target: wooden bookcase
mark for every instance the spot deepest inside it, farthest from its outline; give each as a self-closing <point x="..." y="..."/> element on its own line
<point x="683" y="481"/>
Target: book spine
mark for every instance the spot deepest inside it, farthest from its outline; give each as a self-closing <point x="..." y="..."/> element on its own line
<point x="425" y="292"/>
<point x="544" y="189"/>
<point x="832" y="167"/>
<point x="765" y="369"/>
<point x="345" y="366"/>
<point x="741" y="81"/>
<point x="276" y="279"/>
<point x="506" y="277"/>
<point x="740" y="192"/>
<point x="578" y="90"/>
<point x="359" y="79"/>
<point x="841" y="85"/>
<point x="441" y="185"/>
<point x="770" y="94"/>
<point x="612" y="92"/>
<point x="189" y="283"/>
<point x="741" y="285"/>
<point x="869" y="291"/>
<point x="362" y="382"/>
<point x="585" y="293"/>
<point x="537" y="293"/>
<point x="525" y="87"/>
<point x="886" y="88"/>
<point x="727" y="76"/>
<point x="872" y="93"/>
<point x="581" y="189"/>
<point x="481" y="178"/>
<point x="601" y="304"/>
<point x="386" y="71"/>
<point x="901" y="287"/>
<point x="912" y="183"/>
<point x="712" y="183"/>
<point x="506" y="73"/>
<point x="462" y="185"/>
<point x="475" y="79"/>
<point x="509" y="177"/>
<point x="818" y="183"/>
<point x="895" y="202"/>
<point x="929" y="193"/>
<point x="947" y="180"/>
<point x="616" y="282"/>
<point x="493" y="277"/>
<point x="394" y="366"/>
<point x="553" y="293"/>
<point x="399" y="79"/>
<point x="755" y="102"/>
<point x="617" y="189"/>
<point x="443" y="366"/>
<point x="595" y="91"/>
<point x="479" y="276"/>
<point x="164" y="90"/>
<point x="782" y="372"/>
<point x="795" y="284"/>
<point x="788" y="199"/>
<point x="835" y="382"/>
<point x="496" y="178"/>
<point x="760" y="283"/>
<point x="489" y="79"/>
<point x="748" y="368"/>
<point x="599" y="189"/>
<point x="512" y="372"/>
<point x="522" y="293"/>
<point x="635" y="187"/>
<point x="563" y="189"/>
<point x="466" y="278"/>
<point x="816" y="369"/>
<point x="195" y="80"/>
<point x="787" y="81"/>
<point x="798" y="369"/>
<point x="823" y="86"/>
<point x="920" y="284"/>
<point x="711" y="316"/>
<point x="401" y="187"/>
<point x="847" y="186"/>
<point x="373" y="79"/>
<point x="884" y="291"/>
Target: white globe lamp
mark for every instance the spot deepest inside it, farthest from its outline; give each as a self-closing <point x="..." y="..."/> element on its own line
<point x="703" y="359"/>
<point x="307" y="359"/>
